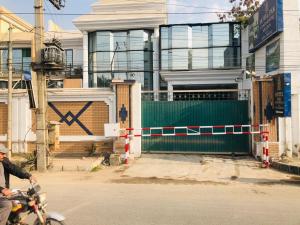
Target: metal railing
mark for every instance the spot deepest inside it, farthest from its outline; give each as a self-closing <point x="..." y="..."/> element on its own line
<point x="16" y="73"/>
<point x="195" y="95"/>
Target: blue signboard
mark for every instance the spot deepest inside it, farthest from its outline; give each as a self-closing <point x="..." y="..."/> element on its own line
<point x="266" y="23"/>
<point x="282" y="95"/>
<point x="27" y="75"/>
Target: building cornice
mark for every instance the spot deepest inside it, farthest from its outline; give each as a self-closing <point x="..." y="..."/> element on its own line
<point x="123" y="15"/>
<point x="202" y="76"/>
<point x="16" y="21"/>
<point x="80" y="94"/>
<point x="94" y="25"/>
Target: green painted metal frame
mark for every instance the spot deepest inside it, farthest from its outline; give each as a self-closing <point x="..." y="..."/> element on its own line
<point x="202" y="113"/>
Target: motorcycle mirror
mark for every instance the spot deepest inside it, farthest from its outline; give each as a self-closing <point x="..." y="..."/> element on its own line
<point x="37" y="188"/>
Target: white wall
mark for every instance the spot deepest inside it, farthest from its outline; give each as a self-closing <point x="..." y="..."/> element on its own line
<point x="21" y="121"/>
<point x="289" y="128"/>
<point x="22" y="114"/>
<point x="291" y="63"/>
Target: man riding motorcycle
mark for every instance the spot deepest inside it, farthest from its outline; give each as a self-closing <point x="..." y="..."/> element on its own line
<point x="7" y="168"/>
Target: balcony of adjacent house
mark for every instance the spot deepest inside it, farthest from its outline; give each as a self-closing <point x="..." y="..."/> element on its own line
<point x="17" y="73"/>
<point x="73" y="76"/>
<point x="17" y="79"/>
<point x="73" y="71"/>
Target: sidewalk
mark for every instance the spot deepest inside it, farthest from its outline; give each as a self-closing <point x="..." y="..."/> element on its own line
<point x="75" y="164"/>
<point x="288" y="165"/>
<point x="195" y="169"/>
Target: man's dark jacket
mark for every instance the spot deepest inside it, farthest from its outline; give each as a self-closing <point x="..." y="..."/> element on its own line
<point x="10" y="168"/>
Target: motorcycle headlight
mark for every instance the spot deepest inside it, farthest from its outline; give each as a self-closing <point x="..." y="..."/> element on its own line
<point x="42" y="198"/>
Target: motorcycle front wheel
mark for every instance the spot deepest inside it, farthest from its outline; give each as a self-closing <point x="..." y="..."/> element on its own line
<point x="49" y="221"/>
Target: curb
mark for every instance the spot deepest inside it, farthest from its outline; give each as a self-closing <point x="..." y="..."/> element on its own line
<point x="75" y="165"/>
<point x="286" y="168"/>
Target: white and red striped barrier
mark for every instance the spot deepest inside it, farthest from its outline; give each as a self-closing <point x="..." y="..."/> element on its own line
<point x="265" y="158"/>
<point x="182" y="131"/>
<point x="127" y="146"/>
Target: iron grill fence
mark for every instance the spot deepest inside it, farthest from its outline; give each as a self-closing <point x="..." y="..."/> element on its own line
<point x="195" y="95"/>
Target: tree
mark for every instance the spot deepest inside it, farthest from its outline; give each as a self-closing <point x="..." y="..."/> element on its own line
<point x="241" y="11"/>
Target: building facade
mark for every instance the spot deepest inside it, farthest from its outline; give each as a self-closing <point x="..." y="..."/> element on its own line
<point x="200" y="56"/>
<point x="141" y="46"/>
<point x="272" y="60"/>
<point x="22" y="37"/>
<point x="121" y="41"/>
<point x="114" y="42"/>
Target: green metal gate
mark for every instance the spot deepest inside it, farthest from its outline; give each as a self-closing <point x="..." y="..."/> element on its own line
<point x="195" y="113"/>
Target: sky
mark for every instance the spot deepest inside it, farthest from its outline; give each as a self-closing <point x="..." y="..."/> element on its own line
<point x="83" y="6"/>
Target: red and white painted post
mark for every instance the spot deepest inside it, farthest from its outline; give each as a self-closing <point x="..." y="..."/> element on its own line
<point x="127" y="147"/>
<point x="265" y="158"/>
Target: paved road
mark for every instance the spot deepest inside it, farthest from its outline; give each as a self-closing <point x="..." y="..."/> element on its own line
<point x="113" y="197"/>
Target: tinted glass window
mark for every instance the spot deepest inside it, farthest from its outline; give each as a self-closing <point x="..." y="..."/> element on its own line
<point x="3" y="59"/>
<point x="200" y="59"/>
<point x="69" y="57"/>
<point x="226" y="57"/>
<point x="120" y="41"/>
<point x="164" y="37"/>
<point x="200" y="36"/>
<point x="136" y="60"/>
<point x="136" y="39"/>
<point x="165" y="60"/>
<point x="101" y="61"/>
<point x="102" y="79"/>
<point x="180" y="37"/>
<point x="180" y="59"/>
<point x="212" y="46"/>
<point x="102" y="41"/>
<point x="123" y="54"/>
<point x="120" y="61"/>
<point x="220" y="34"/>
<point x="17" y="59"/>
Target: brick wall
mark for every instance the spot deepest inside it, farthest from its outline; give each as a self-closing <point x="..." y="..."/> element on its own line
<point x="267" y="92"/>
<point x="92" y="119"/>
<point x="3" y="119"/>
<point x="123" y="96"/>
<point x="83" y="148"/>
<point x="31" y="147"/>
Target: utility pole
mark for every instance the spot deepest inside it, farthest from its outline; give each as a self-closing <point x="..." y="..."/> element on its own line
<point x="9" y="87"/>
<point x="41" y="131"/>
<point x="40" y="68"/>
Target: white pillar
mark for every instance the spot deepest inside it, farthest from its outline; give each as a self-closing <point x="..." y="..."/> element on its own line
<point x="281" y="132"/>
<point x="296" y="123"/>
<point x="136" y="118"/>
<point x="170" y="91"/>
<point x="288" y="136"/>
<point x="285" y="136"/>
<point x="20" y="124"/>
<point x="156" y="62"/>
<point x="85" y="59"/>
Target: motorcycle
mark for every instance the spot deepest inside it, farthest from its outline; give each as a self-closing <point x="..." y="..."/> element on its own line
<point x="29" y="202"/>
